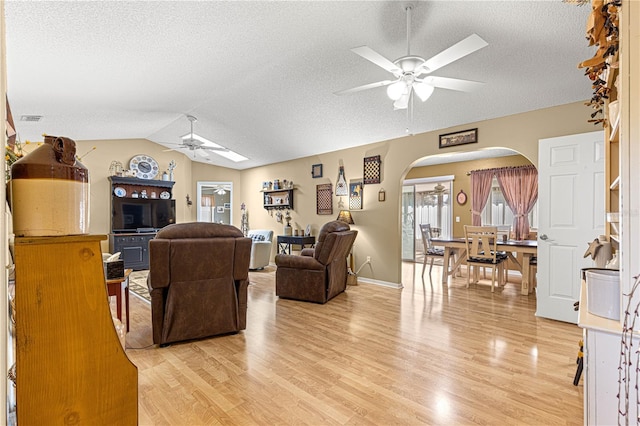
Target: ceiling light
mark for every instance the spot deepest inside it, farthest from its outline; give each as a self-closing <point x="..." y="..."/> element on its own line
<point x="423" y="90"/>
<point x="396" y="90"/>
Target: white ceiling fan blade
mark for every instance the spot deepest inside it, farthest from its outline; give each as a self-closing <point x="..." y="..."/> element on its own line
<point x="452" y="83"/>
<point x="455" y="52"/>
<point x="403" y="102"/>
<point x="364" y="87"/>
<point x="201" y="153"/>
<point x="177" y="148"/>
<point x="371" y="55"/>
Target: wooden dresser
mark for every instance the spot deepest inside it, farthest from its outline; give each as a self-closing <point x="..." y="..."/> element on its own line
<point x="71" y="367"/>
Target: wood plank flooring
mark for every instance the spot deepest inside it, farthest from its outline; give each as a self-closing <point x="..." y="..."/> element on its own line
<point x="425" y="354"/>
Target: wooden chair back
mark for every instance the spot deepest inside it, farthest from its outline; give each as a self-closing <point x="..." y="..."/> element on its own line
<point x="481" y="242"/>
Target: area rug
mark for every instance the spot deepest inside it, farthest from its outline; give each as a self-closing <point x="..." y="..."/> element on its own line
<point x="138" y="285"/>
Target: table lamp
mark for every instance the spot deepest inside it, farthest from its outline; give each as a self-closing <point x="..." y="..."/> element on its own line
<point x="345" y="216"/>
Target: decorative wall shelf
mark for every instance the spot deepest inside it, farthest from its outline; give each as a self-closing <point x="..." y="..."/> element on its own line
<point x="280" y="199"/>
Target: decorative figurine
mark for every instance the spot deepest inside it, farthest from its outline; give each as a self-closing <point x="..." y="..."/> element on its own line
<point x="172" y="166"/>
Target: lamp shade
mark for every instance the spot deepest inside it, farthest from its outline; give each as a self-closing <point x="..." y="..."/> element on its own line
<point x="396" y="90"/>
<point x="345" y="216"/>
<point x="423" y="91"/>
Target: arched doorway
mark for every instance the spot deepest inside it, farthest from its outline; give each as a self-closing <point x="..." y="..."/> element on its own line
<point x="421" y="193"/>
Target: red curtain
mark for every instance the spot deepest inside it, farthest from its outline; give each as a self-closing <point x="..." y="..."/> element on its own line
<point x="480" y="189"/>
<point x="519" y="186"/>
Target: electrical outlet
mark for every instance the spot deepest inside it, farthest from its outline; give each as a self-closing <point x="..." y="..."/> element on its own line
<point x="368" y="259"/>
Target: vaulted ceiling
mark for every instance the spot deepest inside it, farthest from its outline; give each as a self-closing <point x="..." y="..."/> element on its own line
<point x="260" y="76"/>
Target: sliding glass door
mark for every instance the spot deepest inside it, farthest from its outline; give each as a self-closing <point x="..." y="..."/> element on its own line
<point x="408" y="223"/>
<point x="425" y="201"/>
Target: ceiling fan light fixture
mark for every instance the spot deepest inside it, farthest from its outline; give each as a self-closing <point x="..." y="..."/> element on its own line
<point x="203" y="141"/>
<point x="396" y="90"/>
<point x="423" y="90"/>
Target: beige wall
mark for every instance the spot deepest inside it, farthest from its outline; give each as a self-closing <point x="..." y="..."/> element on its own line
<point x="463" y="182"/>
<point x="378" y="223"/>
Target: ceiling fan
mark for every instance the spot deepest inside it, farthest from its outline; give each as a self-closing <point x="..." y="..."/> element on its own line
<point x="195" y="143"/>
<point x="412" y="72"/>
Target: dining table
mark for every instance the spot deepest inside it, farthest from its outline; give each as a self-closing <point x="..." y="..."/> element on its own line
<point x="519" y="251"/>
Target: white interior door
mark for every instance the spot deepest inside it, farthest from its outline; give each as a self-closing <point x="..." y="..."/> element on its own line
<point x="571" y="209"/>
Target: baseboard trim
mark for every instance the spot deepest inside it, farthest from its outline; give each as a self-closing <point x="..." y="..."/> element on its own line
<point x="380" y="283"/>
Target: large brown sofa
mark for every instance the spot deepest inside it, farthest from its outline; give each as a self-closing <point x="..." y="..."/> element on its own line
<point x="318" y="274"/>
<point x="198" y="277"/>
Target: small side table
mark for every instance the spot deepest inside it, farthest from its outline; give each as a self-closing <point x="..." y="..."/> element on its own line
<point x="114" y="288"/>
<point x="286" y="241"/>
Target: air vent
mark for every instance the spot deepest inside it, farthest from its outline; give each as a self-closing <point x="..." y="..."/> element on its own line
<point x="32" y="118"/>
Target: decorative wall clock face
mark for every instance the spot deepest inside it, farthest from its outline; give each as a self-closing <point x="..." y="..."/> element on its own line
<point x="144" y="166"/>
<point x="461" y="197"/>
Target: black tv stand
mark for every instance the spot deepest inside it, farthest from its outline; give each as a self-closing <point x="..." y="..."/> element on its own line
<point x="146" y="230"/>
<point x="134" y="248"/>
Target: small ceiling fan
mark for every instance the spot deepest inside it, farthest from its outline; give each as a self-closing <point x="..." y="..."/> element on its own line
<point x="412" y="72"/>
<point x="195" y="143"/>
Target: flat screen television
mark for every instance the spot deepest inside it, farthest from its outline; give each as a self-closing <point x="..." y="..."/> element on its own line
<point x="141" y="214"/>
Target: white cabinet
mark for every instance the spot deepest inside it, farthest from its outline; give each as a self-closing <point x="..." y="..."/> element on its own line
<point x="601" y="380"/>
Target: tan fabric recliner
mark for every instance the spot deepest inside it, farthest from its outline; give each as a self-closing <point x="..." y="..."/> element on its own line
<point x="320" y="273"/>
<point x="198" y="277"/>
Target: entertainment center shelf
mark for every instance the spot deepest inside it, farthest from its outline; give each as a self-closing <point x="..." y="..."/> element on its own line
<point x="133" y="244"/>
<point x="131" y="185"/>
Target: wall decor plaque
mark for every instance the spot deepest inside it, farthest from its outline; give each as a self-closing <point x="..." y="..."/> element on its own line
<point x="371" y="170"/>
<point x="459" y="138"/>
<point x="324" y="198"/>
<point x="355" y="194"/>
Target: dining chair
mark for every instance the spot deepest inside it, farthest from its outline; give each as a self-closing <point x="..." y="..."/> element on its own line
<point x="481" y="243"/>
<point x="504" y="234"/>
<point x="430" y="252"/>
<point x="533" y="273"/>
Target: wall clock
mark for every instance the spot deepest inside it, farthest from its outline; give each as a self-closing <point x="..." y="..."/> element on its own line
<point x="461" y="197"/>
<point x="144" y="166"/>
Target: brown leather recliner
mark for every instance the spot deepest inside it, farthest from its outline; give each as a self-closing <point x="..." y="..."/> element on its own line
<point x="198" y="277"/>
<point x="318" y="274"/>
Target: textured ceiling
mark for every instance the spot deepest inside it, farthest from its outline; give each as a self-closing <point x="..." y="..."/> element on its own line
<point x="260" y="76"/>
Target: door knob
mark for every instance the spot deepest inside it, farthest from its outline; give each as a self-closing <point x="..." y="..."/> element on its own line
<point x="544" y="237"/>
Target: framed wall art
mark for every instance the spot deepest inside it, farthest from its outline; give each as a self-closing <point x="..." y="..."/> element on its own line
<point x="459" y="138"/>
<point x="324" y="198"/>
<point x="355" y="194"/>
<point x="316" y="171"/>
<point x="371" y="171"/>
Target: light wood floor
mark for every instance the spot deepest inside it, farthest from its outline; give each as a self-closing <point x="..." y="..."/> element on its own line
<point x="374" y="355"/>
